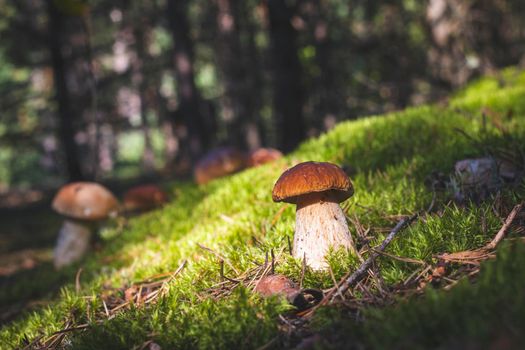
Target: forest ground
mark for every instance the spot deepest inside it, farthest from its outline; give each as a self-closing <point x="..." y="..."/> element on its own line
<point x="182" y="276"/>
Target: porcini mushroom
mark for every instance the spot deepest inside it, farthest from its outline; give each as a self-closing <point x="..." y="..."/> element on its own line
<point x="83" y="204"/>
<point x="143" y="198"/>
<point x="218" y="163"/>
<point x="262" y="156"/>
<point x="316" y="188"/>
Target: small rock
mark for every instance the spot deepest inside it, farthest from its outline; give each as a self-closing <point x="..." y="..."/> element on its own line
<point x="154" y="346"/>
<point x="475" y="178"/>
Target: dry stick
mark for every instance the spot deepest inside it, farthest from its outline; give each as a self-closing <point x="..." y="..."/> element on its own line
<point x="264" y="273"/>
<point x="303" y="269"/>
<point x="32" y="344"/>
<point x="255" y="273"/>
<point x="416" y="275"/>
<point x="223" y="276"/>
<point x="503" y="230"/>
<point x="334" y="280"/>
<point x="138" y="296"/>
<point x="362" y="233"/>
<point x="219" y="256"/>
<point x="264" y="269"/>
<point x="105" y="308"/>
<point x="472" y="257"/>
<point x="278" y="214"/>
<point x="77" y="280"/>
<point x="109" y="313"/>
<point x="399" y="258"/>
<point x="71" y="329"/>
<point x="361" y="271"/>
<point x="273" y="261"/>
<point x="174" y="274"/>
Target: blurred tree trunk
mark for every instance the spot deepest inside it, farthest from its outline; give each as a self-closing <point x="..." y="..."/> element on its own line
<point x="326" y="108"/>
<point x="288" y="98"/>
<point x="141" y="32"/>
<point x="192" y="110"/>
<point x="255" y="80"/>
<point x="472" y="37"/>
<point x="66" y="115"/>
<point x="233" y="61"/>
<point x="446" y="56"/>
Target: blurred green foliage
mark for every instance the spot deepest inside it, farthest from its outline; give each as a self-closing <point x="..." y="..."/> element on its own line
<point x="374" y="57"/>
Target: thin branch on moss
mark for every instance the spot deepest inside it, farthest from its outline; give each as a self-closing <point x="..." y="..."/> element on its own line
<point x="335" y="282"/>
<point x="77" y="280"/>
<point x="416" y="275"/>
<point x="399" y="258"/>
<point x="273" y="261"/>
<point x="219" y="256"/>
<point x="358" y="274"/>
<point x="278" y="214"/>
<point x="223" y="276"/>
<point x="473" y="257"/>
<point x="303" y="270"/>
<point x="506" y="225"/>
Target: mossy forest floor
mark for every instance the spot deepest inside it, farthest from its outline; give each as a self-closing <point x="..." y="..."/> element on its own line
<point x="157" y="279"/>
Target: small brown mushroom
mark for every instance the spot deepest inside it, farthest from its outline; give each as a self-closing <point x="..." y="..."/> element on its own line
<point x="280" y="285"/>
<point x="275" y="284"/>
<point x="218" y="163"/>
<point x="316" y="188"/>
<point x="262" y="156"/>
<point x="143" y="198"/>
<point x="83" y="204"/>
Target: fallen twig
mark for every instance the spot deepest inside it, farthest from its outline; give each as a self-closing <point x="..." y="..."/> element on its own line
<point x="473" y="257"/>
<point x="278" y="214"/>
<point x="77" y="280"/>
<point x="506" y="225"/>
<point x="218" y="256"/>
<point x="399" y="258"/>
<point x="362" y="270"/>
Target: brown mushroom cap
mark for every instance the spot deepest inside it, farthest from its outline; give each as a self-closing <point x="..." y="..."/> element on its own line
<point x="263" y="155"/>
<point x="219" y="162"/>
<point x="275" y="284"/>
<point x="311" y="178"/>
<point x="85" y="201"/>
<point x="144" y="197"/>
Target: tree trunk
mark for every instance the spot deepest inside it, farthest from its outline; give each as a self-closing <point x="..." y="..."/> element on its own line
<point x="326" y="107"/>
<point x="191" y="107"/>
<point x="140" y="79"/>
<point x="255" y="83"/>
<point x="448" y="26"/>
<point x="287" y="76"/>
<point x="66" y="130"/>
<point x="233" y="62"/>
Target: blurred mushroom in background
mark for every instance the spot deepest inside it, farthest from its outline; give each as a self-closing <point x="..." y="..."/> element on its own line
<point x="142" y="198"/>
<point x="83" y="205"/>
<point x="262" y="156"/>
<point x="218" y="163"/>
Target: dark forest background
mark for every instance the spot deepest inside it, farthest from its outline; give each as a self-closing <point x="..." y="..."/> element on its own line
<point x="122" y="89"/>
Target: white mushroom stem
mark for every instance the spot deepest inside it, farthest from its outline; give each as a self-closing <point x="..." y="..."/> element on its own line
<point x="320" y="226"/>
<point x="73" y="242"/>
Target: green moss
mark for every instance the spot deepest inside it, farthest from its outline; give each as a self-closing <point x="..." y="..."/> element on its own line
<point x="478" y="316"/>
<point x="390" y="156"/>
